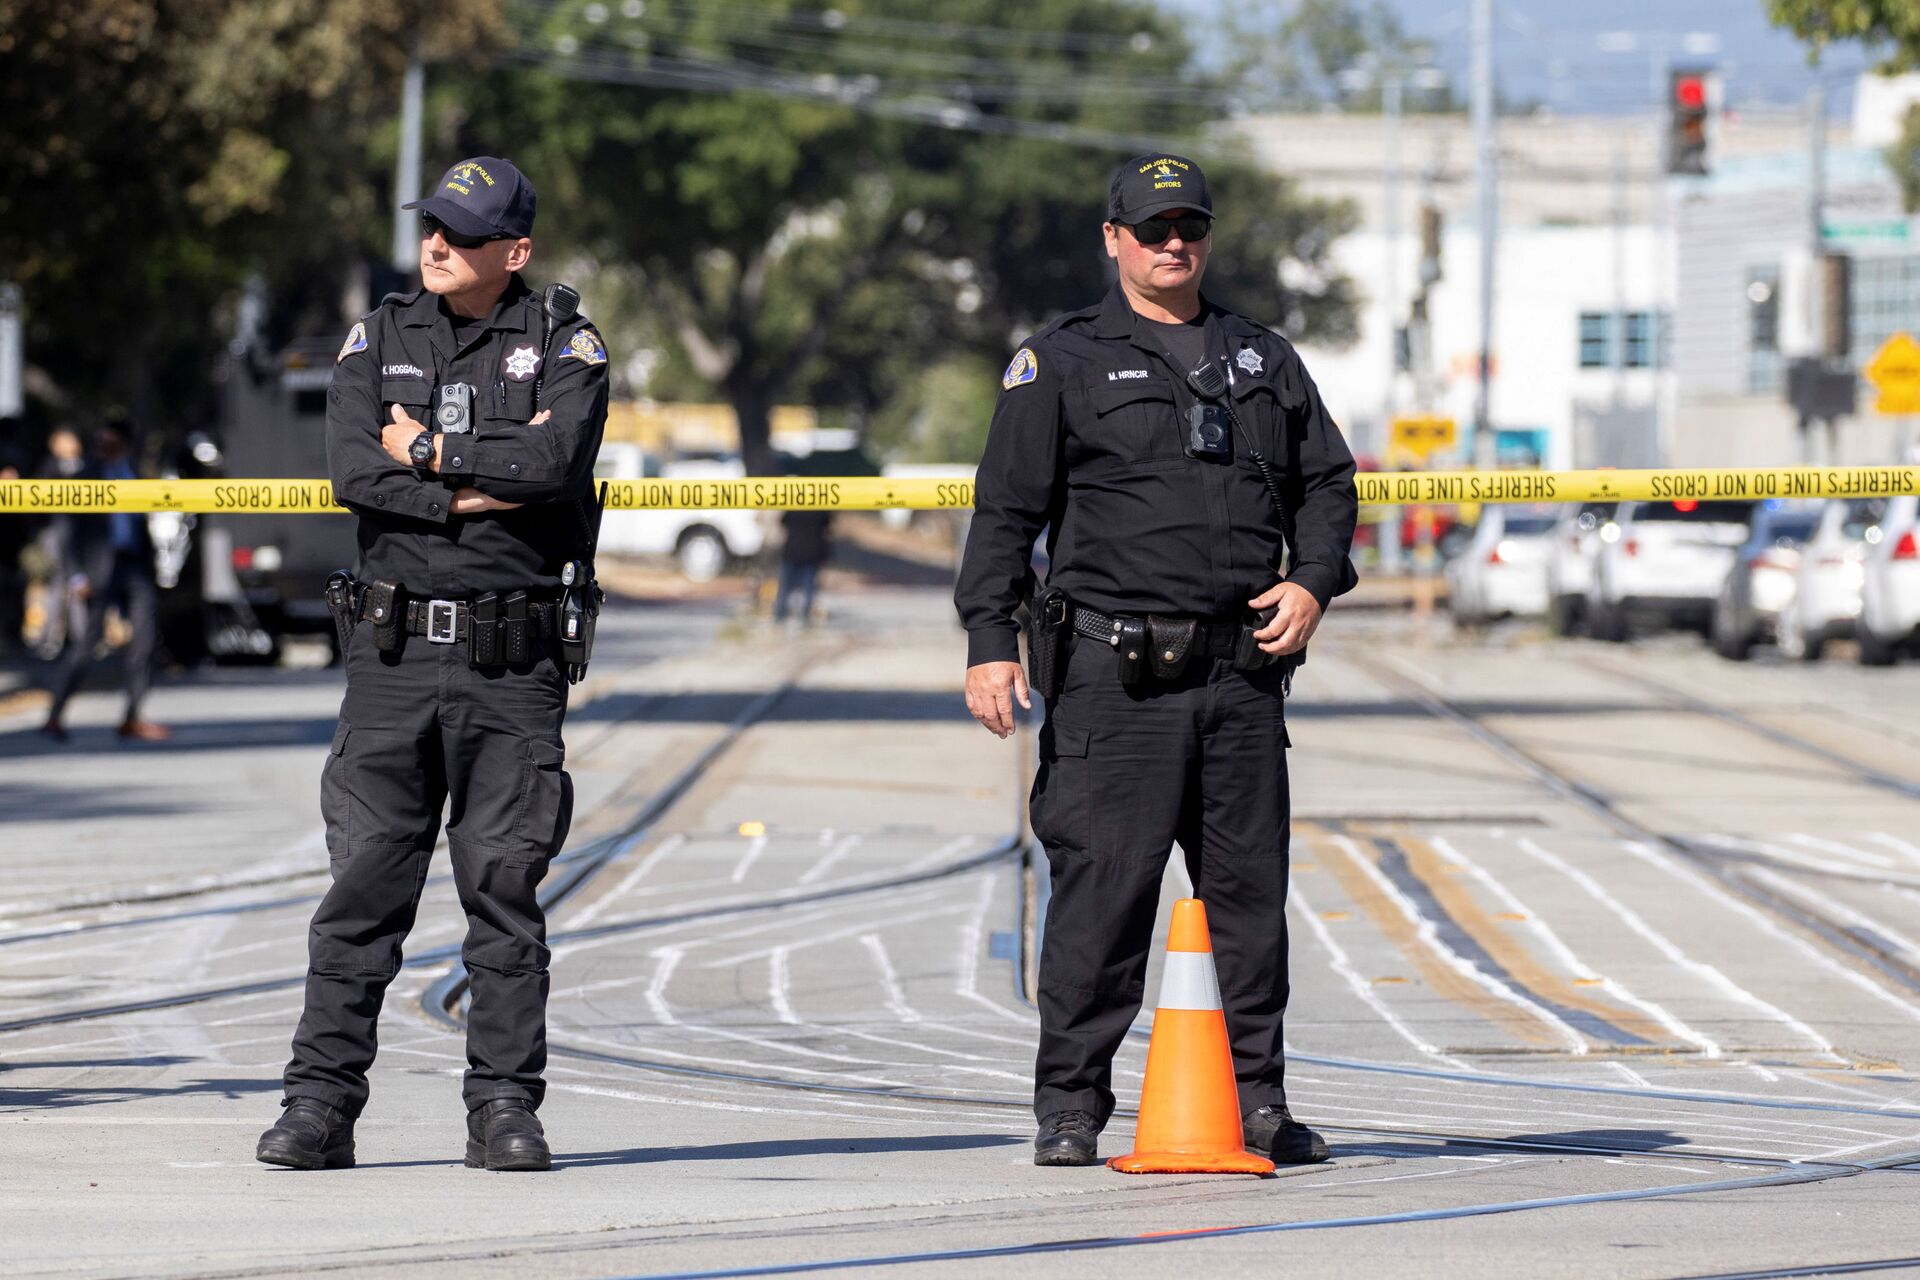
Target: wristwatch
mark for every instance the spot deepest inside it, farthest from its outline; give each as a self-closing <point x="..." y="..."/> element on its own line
<point x="421" y="450"/>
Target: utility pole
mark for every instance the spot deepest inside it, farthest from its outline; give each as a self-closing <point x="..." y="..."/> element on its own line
<point x="1389" y="529"/>
<point x="1617" y="330"/>
<point x="406" y="168"/>
<point x="1390" y="90"/>
<point x="1483" y="173"/>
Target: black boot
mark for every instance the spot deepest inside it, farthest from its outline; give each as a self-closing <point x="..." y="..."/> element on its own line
<point x="1275" y="1134"/>
<point x="505" y="1135"/>
<point x="308" y="1135"/>
<point x="1067" y="1138"/>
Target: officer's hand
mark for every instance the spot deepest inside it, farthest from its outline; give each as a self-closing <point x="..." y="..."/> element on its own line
<point x="1296" y="617"/>
<point x="397" y="436"/>
<point x="469" y="502"/>
<point x="991" y="689"/>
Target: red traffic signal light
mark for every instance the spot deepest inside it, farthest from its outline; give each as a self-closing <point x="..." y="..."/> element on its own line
<point x="1688" y="93"/>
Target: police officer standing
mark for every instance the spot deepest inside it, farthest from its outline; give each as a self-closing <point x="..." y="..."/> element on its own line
<point x="462" y="427"/>
<point x="1200" y="506"/>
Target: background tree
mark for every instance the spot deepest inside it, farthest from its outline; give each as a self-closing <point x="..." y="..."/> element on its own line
<point x="1889" y="26"/>
<point x="814" y="227"/>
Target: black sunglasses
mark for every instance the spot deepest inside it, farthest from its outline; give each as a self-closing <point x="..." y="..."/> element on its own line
<point x="1156" y="230"/>
<point x="430" y="225"/>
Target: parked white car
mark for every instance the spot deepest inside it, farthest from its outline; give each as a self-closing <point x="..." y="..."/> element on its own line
<point x="1501" y="572"/>
<point x="1890" y="590"/>
<point x="1666" y="561"/>
<point x="1826" y="596"/>
<point x="1573" y="549"/>
<point x="702" y="543"/>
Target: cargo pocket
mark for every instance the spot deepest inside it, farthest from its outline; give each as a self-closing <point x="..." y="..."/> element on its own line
<point x="336" y="804"/>
<point x="1059" y="807"/>
<point x="546" y="804"/>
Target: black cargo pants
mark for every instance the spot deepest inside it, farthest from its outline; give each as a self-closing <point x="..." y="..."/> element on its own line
<point x="423" y="734"/>
<point x="1124" y="774"/>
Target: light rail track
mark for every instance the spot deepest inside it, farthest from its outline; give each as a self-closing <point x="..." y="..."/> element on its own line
<point x="1858" y="946"/>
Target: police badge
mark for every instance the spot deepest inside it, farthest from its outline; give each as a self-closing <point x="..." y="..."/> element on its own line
<point x="1250" y="360"/>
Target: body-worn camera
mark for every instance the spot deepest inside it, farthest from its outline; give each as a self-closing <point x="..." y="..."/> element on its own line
<point x="454" y="413"/>
<point x="1209" y="433"/>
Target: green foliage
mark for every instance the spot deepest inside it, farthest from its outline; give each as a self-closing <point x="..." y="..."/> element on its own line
<point x="1892" y="24"/>
<point x="1903" y="157"/>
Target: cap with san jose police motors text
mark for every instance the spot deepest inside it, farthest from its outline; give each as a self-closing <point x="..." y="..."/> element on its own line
<point x="1150" y="184"/>
<point x="484" y="196"/>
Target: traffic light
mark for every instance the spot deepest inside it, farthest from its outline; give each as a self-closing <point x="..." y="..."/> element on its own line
<point x="1688" y="96"/>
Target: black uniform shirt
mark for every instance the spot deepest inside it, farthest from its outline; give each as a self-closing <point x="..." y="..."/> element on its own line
<point x="1088" y="441"/>
<point x="402" y="353"/>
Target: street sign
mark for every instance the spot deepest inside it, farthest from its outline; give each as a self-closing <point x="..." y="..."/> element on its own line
<point x="1425" y="435"/>
<point x="1895" y="373"/>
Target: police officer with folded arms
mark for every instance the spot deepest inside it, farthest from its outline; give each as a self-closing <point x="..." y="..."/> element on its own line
<point x="1200" y="508"/>
<point x="462" y="426"/>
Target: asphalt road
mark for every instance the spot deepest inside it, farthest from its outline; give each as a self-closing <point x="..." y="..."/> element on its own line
<point x="1606" y="962"/>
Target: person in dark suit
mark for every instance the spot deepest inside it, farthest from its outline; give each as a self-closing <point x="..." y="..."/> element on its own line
<point x="110" y="562"/>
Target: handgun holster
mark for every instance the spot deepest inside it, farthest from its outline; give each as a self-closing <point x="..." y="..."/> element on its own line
<point x="1047" y="633"/>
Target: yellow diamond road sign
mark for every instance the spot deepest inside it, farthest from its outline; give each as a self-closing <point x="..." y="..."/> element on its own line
<point x="1895" y="371"/>
<point x="1424" y="435"/>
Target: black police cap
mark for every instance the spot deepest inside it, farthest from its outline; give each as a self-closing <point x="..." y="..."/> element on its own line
<point x="1155" y="183"/>
<point x="484" y="196"/>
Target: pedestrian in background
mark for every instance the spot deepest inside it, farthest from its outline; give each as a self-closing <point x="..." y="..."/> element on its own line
<point x="110" y="564"/>
<point x="1201" y="509"/>
<point x="806" y="545"/>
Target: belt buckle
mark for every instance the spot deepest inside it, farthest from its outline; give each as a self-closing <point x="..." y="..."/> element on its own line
<point x="441" y="622"/>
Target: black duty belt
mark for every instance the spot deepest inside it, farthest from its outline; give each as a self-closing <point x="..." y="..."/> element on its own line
<point x="451" y="621"/>
<point x="1211" y="638"/>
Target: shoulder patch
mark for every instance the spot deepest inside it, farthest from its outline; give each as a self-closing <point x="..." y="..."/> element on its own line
<point x="1024" y="369"/>
<point x="356" y="341"/>
<point x="585" y="346"/>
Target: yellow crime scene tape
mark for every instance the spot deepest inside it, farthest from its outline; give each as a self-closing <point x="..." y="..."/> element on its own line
<point x="875" y="493"/>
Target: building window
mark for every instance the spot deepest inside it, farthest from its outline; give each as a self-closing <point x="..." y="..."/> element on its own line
<point x="1765" y="369"/>
<point x="1596" y="339"/>
<point x="1643" y="346"/>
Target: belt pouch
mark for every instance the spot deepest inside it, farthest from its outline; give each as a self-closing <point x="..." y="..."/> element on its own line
<point x="385" y="607"/>
<point x="1172" y="644"/>
<point x="1247" y="653"/>
<point x="483" y="630"/>
<point x="1047" y="643"/>
<point x="1132" y="633"/>
<point x="514" y="632"/>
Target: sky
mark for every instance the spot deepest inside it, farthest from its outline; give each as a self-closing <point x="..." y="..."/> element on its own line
<point x="1558" y="52"/>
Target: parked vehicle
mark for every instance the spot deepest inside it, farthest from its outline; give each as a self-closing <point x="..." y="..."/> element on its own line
<point x="1501" y="572"/>
<point x="702" y="542"/>
<point x="1889" y="619"/>
<point x="1664" y="562"/>
<point x="1572" y="550"/>
<point x="1826" y="595"/>
<point x="1762" y="580"/>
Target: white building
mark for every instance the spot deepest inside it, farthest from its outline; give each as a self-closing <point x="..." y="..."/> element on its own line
<point x="1586" y="285"/>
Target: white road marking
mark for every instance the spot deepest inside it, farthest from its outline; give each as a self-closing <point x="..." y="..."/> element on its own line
<point x="755" y="847"/>
<point x="1572" y="963"/>
<point x="1673" y="953"/>
<point x="1429" y="933"/>
<point x="1834" y="907"/>
<point x="1343" y="965"/>
<point x="593" y="910"/>
<point x="833" y="856"/>
<point x="889" y="979"/>
<point x="1667" y="863"/>
<point x="777" y="986"/>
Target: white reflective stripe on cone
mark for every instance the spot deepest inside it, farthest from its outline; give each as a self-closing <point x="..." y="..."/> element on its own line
<point x="1189" y="982"/>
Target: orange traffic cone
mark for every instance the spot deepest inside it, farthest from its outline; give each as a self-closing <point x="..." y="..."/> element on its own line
<point x="1190" y="1104"/>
